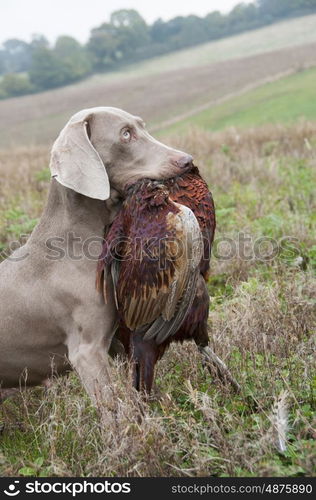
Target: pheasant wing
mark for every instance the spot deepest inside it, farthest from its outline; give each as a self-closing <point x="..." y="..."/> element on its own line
<point x="183" y="287"/>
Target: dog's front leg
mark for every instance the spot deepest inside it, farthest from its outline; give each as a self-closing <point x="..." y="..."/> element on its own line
<point x="88" y="345"/>
<point x="90" y="361"/>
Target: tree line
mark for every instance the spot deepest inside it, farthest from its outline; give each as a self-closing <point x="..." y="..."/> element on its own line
<point x="125" y="38"/>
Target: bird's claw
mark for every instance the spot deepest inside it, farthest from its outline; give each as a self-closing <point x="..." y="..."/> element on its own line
<point x="223" y="372"/>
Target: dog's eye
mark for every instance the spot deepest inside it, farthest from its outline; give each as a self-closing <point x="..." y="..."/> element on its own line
<point x="126" y="134"/>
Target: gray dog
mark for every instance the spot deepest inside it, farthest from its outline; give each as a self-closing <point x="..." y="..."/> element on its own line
<point x="51" y="316"/>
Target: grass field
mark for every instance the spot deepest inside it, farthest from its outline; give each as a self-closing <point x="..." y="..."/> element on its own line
<point x="282" y="101"/>
<point x="262" y="320"/>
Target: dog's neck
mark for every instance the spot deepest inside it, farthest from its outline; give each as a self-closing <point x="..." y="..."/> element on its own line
<point x="69" y="212"/>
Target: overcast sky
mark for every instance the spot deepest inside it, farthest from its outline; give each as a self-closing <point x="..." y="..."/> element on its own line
<point x="22" y="18"/>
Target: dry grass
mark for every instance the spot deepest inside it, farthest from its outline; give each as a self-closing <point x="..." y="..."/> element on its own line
<point x="262" y="320"/>
<point x="196" y="428"/>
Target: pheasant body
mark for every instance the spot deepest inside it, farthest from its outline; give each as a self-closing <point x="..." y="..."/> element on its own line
<point x="156" y="215"/>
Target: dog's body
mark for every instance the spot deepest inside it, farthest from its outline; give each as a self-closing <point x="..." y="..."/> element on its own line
<point x="50" y="308"/>
<point x="50" y="311"/>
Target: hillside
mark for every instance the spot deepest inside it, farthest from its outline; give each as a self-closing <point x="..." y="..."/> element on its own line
<point x="283" y="101"/>
<point x="288" y="33"/>
<point x="158" y="92"/>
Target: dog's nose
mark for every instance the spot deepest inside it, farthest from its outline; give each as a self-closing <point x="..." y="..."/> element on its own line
<point x="185" y="162"/>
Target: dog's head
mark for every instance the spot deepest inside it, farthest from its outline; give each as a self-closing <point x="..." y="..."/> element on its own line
<point x="103" y="147"/>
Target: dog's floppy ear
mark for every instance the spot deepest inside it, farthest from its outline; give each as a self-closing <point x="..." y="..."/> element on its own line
<point x="75" y="163"/>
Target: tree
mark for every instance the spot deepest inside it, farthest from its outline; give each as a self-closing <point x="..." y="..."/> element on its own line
<point x="273" y="9"/>
<point x="192" y="31"/>
<point x="281" y="8"/>
<point x="216" y="25"/>
<point x="3" y="62"/>
<point x="103" y="46"/>
<point x="73" y="56"/>
<point x="128" y="18"/>
<point x="46" y="70"/>
<point x="13" y="84"/>
<point x="17" y="55"/>
<point x="123" y="38"/>
<point x="158" y="31"/>
<point x="39" y="41"/>
<point x="242" y="17"/>
<point x="131" y="31"/>
<point x="67" y="62"/>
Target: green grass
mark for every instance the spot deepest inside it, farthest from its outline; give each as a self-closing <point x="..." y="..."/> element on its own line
<point x="283" y="101"/>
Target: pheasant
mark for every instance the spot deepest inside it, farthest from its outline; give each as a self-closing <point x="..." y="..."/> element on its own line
<point x="158" y="252"/>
